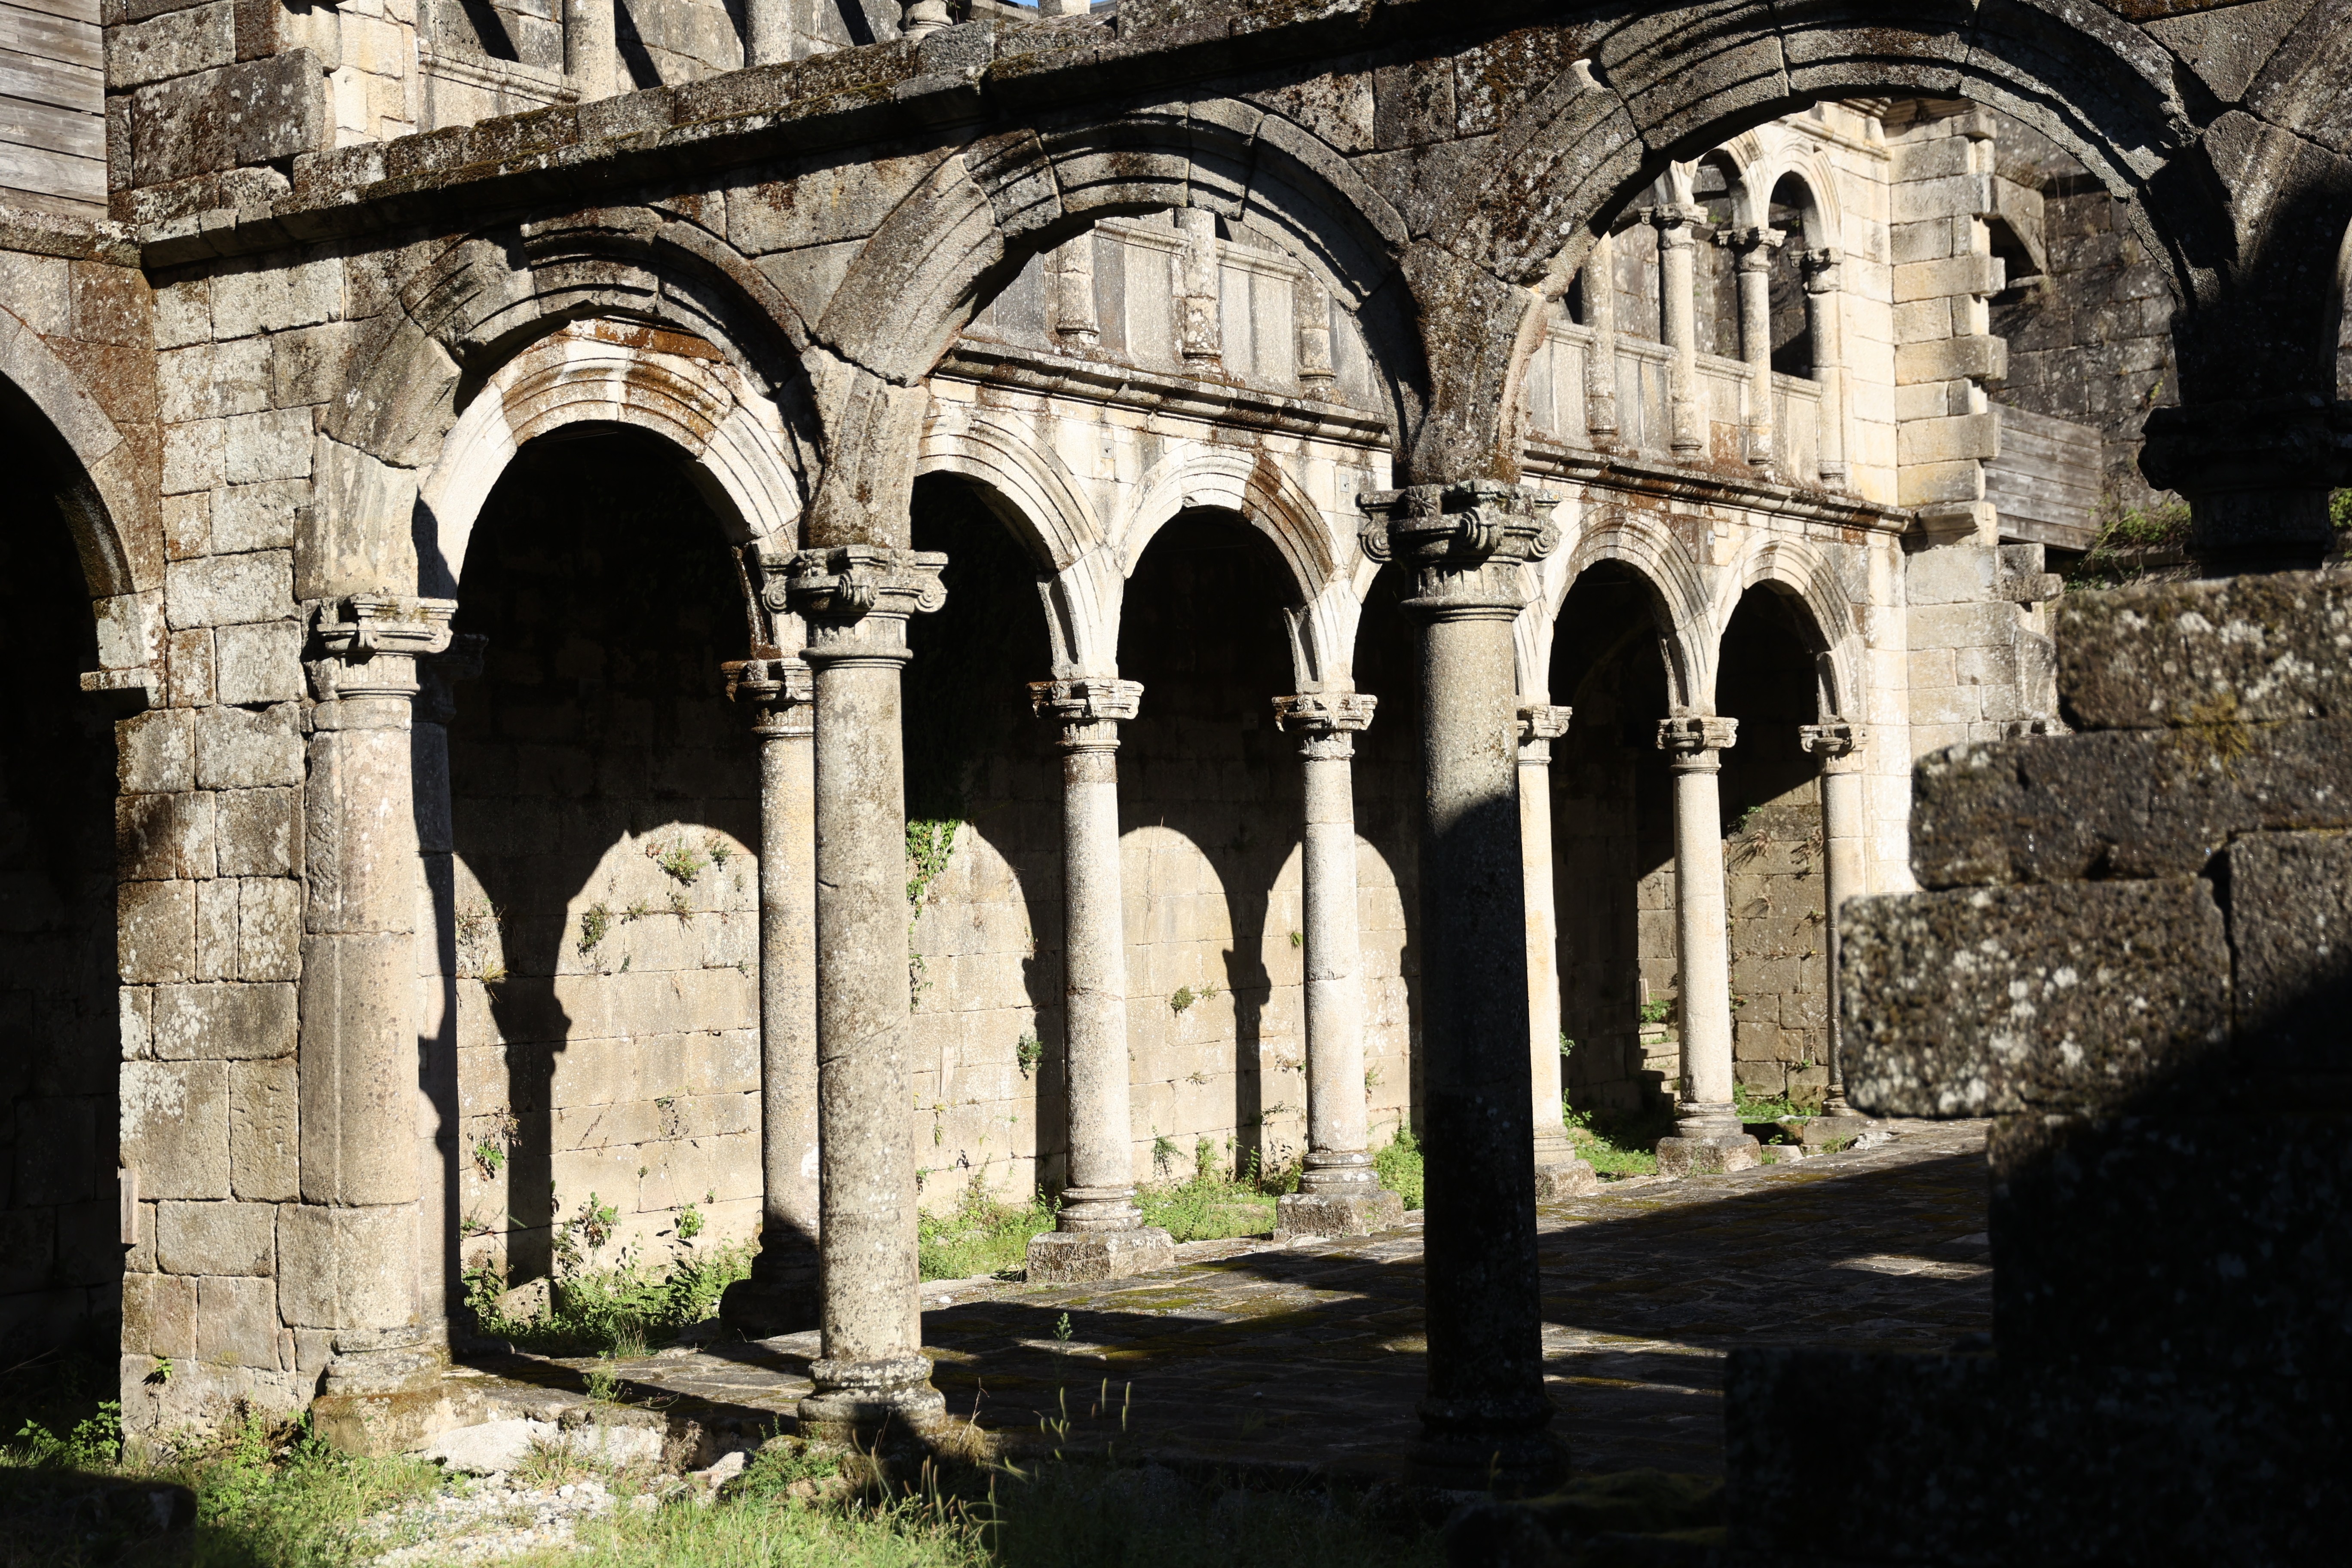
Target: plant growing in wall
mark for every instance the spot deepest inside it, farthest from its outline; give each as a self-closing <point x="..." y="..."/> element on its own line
<point x="595" y="925"/>
<point x="679" y="859"/>
<point x="1028" y="1053"/>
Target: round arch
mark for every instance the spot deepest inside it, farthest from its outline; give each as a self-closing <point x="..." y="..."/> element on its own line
<point x="1678" y="601"/>
<point x="104" y="499"/>
<point x="1809" y="577"/>
<point x="608" y="372"/>
<point x="1251" y="484"/>
<point x="1038" y="495"/>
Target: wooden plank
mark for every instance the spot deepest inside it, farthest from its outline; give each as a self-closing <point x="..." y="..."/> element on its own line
<point x="58" y="130"/>
<point x="83" y="11"/>
<point x="51" y="38"/>
<point x="37" y="201"/>
<point x="53" y="173"/>
<point x="38" y="81"/>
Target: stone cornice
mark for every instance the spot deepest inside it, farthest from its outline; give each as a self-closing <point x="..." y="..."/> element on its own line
<point x="1105" y="380"/>
<point x="1657" y="479"/>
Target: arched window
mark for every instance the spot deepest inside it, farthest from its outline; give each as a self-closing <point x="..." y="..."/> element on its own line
<point x="1795" y="213"/>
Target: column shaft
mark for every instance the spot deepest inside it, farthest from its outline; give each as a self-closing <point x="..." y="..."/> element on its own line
<point x="1755" y="246"/>
<point x="1678" y="317"/>
<point x="1559" y="1173"/>
<point x="1601" y="417"/>
<point x="767" y="32"/>
<point x="592" y="51"/>
<point x="1100" y="1233"/>
<point x="1710" y="1138"/>
<point x="857" y="600"/>
<point x="1486" y="1416"/>
<point x="780" y="1297"/>
<point x="1338" y="1192"/>
<point x="1834" y="742"/>
<point x="1825" y="317"/>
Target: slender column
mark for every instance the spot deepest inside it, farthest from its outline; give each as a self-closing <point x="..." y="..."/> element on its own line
<point x="1834" y="742"/>
<point x="1101" y="1234"/>
<point x="1755" y="248"/>
<point x="1316" y="371"/>
<point x="857" y="600"/>
<point x="1062" y="8"/>
<point x="1560" y="1174"/>
<point x="1677" y="313"/>
<point x="921" y="18"/>
<point x="767" y="32"/>
<point x="1077" y="319"/>
<point x="1825" y="315"/>
<point x="439" y="1113"/>
<point x="1708" y="1139"/>
<point x="350" y="1252"/>
<point x="1485" y="1418"/>
<point x="1339" y="1194"/>
<point x="780" y="1296"/>
<point x="1601" y="360"/>
<point x="1200" y="328"/>
<point x="592" y="52"/>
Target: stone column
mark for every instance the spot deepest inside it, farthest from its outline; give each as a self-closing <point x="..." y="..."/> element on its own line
<point x="1101" y="1232"/>
<point x="767" y="32"/>
<point x="1077" y="319"/>
<point x="1559" y="1173"/>
<point x="1601" y="359"/>
<point x="1755" y="247"/>
<point x="780" y="1296"/>
<point x="921" y="18"/>
<point x="1316" y="372"/>
<point x="1825" y="316"/>
<point x="1833" y="740"/>
<point x="857" y="600"/>
<point x="592" y="51"/>
<point x="350" y="1252"/>
<point x="1339" y="1194"/>
<point x="1708" y="1139"/>
<point x="1485" y="1418"/>
<point x="1677" y="319"/>
<point x="439" y="1112"/>
<point x="1199" y="322"/>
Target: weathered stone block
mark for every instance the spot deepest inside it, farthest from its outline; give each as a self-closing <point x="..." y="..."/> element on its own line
<point x="258" y="516"/>
<point x="225" y="1022"/>
<point x="159" y="1315"/>
<point x="239" y="749"/>
<point x="236" y="1322"/>
<point x="2242" y="650"/>
<point x="2043" y="998"/>
<point x="1979" y="357"/>
<point x="221" y="590"/>
<point x="263" y="1129"/>
<point x="159" y="837"/>
<point x="269" y="928"/>
<point x="1951" y="440"/>
<point x="216" y="1238"/>
<point x="2290" y="909"/>
<point x="257" y="832"/>
<point x="2128" y="805"/>
<point x="1077" y="1257"/>
<point x="1300" y="1214"/>
<point x="155" y="931"/>
<point x="1951" y="274"/>
<point x="341" y="1265"/>
<point x="259" y="663"/>
<point x="215" y="930"/>
<point x="272" y="445"/>
<point x="248" y="112"/>
<point x="175" y="1128"/>
<point x="174" y="43"/>
<point x="155" y="752"/>
<point x="1708" y="1156"/>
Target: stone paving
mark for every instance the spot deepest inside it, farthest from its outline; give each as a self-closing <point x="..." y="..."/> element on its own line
<point x="1310" y="1355"/>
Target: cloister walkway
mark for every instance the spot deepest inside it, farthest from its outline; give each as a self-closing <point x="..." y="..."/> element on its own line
<point x="1310" y="1355"/>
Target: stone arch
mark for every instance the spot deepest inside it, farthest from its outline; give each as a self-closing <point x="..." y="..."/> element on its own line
<point x="1823" y="217"/>
<point x="604" y="371"/>
<point x="479" y="305"/>
<point x="1250" y="483"/>
<point x="1655" y="87"/>
<point x="1678" y="602"/>
<point x="970" y="226"/>
<point x="1811" y="576"/>
<point x="1039" y="498"/>
<point x="99" y="488"/>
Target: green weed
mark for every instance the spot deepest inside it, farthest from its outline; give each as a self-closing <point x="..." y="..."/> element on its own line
<point x="1618" y="1144"/>
<point x="1400" y="1166"/>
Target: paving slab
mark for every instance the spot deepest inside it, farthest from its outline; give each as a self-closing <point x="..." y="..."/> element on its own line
<point x="1309" y="1354"/>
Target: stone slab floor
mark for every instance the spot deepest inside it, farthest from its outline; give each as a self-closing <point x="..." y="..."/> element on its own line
<point x="1310" y="1355"/>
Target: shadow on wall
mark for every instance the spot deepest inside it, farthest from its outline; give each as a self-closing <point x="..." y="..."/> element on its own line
<point x="1388" y="824"/>
<point x="986" y="969"/>
<point x="1203" y="629"/>
<point x="606" y="812"/>
<point x="61" y="1048"/>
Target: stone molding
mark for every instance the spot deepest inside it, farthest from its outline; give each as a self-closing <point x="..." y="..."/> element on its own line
<point x="370" y="643"/>
<point x="1675" y="222"/>
<point x="1833" y="740"/>
<point x="1541" y="724"/>
<point x="1326" y="722"/>
<point x="1693" y="740"/>
<point x="1754" y="244"/>
<point x="1463" y="542"/>
<point x="857" y="598"/>
<point x="781" y="693"/>
<point x="1090" y="709"/>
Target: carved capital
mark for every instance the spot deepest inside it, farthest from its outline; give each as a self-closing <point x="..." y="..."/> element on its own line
<point x="1464" y="544"/>
<point x="1823" y="274"/>
<point x="780" y="692"/>
<point x="1326" y="722"/>
<point x="1677" y="223"/>
<point x="370" y="644"/>
<point x="1754" y="244"/>
<point x="1837" y="743"/>
<point x="1089" y="708"/>
<point x="1695" y="738"/>
<point x="1544" y="722"/>
<point x="857" y="598"/>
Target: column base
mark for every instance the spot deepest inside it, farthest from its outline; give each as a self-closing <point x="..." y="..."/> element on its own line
<point x="1713" y="1156"/>
<point x="1299" y="1215"/>
<point x="785" y="1302"/>
<point x="1512" y="1454"/>
<point x="1085" y="1257"/>
<point x="857" y="1401"/>
<point x="1565" y="1179"/>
